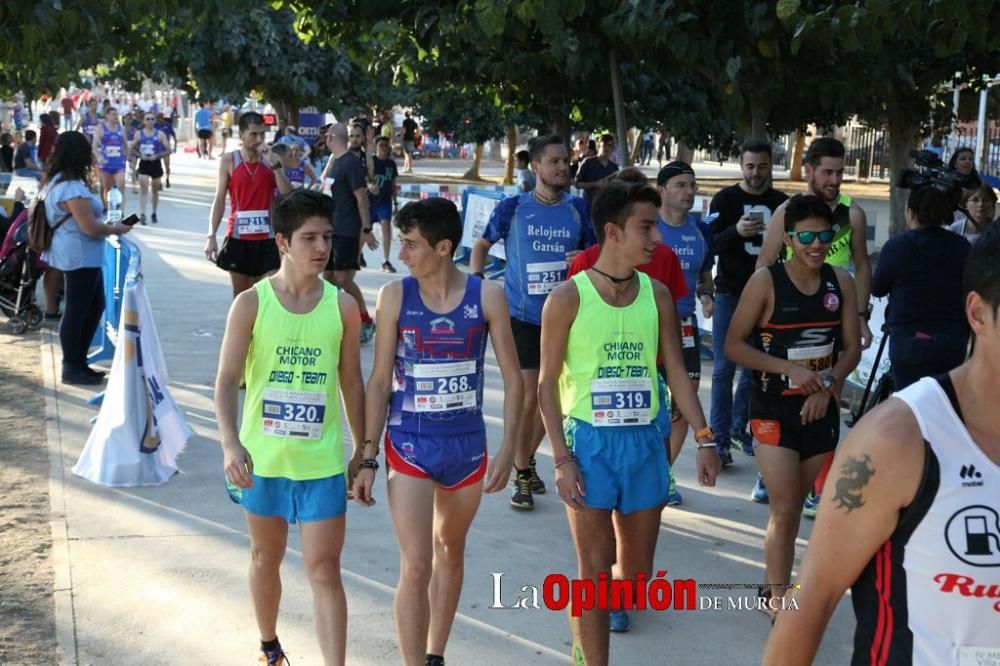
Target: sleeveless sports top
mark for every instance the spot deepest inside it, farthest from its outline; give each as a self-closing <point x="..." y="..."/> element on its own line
<point x="89" y="123"/>
<point x="149" y="145"/>
<point x="251" y="193"/>
<point x="803" y="328"/>
<point x="437" y="382"/>
<point x="297" y="175"/>
<point x="291" y="414"/>
<point x="839" y="254"/>
<point x="931" y="593"/>
<point x="609" y="374"/>
<point x="113" y="148"/>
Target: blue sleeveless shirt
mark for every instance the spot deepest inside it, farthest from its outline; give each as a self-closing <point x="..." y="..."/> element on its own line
<point x="437" y="383"/>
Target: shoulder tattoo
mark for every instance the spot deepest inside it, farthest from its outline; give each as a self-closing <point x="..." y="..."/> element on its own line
<point x="855" y="474"/>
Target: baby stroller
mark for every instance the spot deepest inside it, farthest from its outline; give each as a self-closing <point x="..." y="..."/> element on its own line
<point x="20" y="269"/>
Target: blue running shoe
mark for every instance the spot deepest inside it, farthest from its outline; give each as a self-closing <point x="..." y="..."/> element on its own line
<point x="743" y="440"/>
<point x="811" y="505"/>
<point x="725" y="456"/>
<point x="759" y="492"/>
<point x="618" y="621"/>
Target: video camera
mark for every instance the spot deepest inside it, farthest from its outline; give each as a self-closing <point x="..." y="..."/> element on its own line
<point x="930" y="171"/>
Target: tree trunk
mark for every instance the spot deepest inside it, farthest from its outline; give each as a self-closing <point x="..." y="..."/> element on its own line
<point x="684" y="154"/>
<point x="758" y="121"/>
<point x="560" y="126"/>
<point x="508" y="172"/>
<point x="903" y="135"/>
<point x="795" y="170"/>
<point x="473" y="172"/>
<point x="619" y="102"/>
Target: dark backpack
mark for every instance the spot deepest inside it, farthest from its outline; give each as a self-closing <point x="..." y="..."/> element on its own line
<point x="39" y="232"/>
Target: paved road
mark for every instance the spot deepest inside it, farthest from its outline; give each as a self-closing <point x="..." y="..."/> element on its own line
<point x="158" y="575"/>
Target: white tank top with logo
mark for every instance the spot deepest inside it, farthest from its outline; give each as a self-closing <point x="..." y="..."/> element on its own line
<point x="931" y="594"/>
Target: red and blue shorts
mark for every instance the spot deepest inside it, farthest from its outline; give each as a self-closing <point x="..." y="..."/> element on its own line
<point x="451" y="461"/>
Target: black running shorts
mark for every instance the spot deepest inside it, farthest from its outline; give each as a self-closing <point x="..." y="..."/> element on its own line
<point x="528" y="342"/>
<point x="776" y="420"/>
<point x="151" y="168"/>
<point x="249" y="257"/>
<point x="344" y="254"/>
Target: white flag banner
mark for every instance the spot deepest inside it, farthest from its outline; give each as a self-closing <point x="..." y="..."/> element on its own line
<point x="139" y="431"/>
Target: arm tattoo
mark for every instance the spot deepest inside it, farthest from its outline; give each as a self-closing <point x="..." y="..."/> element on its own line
<point x="855" y="474"/>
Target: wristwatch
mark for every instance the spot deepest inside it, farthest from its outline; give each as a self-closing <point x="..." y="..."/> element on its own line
<point x="369" y="463"/>
<point x="367" y="230"/>
<point x="828" y="382"/>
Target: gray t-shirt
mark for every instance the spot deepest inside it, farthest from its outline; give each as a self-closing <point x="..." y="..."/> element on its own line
<point x="348" y="175"/>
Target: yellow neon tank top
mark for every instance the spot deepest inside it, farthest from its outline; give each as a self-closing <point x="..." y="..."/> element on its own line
<point x="609" y="374"/>
<point x="291" y="414"/>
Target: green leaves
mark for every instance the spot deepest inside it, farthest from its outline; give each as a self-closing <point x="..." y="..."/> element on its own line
<point x="787" y="9"/>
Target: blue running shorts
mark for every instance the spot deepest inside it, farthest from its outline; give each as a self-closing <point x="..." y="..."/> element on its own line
<point x="624" y="469"/>
<point x="451" y="461"/>
<point x="296" y="501"/>
<point x="381" y="213"/>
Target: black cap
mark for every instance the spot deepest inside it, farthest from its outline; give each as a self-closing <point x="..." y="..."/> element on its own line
<point x="675" y="168"/>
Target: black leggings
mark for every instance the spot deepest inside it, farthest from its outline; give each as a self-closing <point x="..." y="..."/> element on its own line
<point x="81" y="315"/>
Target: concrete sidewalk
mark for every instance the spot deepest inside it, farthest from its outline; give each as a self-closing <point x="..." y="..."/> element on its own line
<point x="158" y="575"/>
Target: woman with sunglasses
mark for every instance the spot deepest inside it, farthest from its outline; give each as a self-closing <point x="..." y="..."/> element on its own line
<point x="921" y="272"/>
<point x="797" y="328"/>
<point x="152" y="146"/>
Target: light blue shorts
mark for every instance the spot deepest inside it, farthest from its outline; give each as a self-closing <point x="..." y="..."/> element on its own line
<point x="296" y="501"/>
<point x="624" y="469"/>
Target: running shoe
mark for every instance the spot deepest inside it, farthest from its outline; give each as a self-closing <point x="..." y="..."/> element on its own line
<point x="618" y="621"/>
<point x="521" y="497"/>
<point x="367" y="332"/>
<point x="537" y="485"/>
<point x="168" y="182"/>
<point x="759" y="492"/>
<point x="743" y="440"/>
<point x="142" y="219"/>
<point x="387" y="267"/>
<point x="275" y="658"/>
<point x="725" y="456"/>
<point x="153" y="218"/>
<point x="811" y="505"/>
<point x="764" y="603"/>
<point x="673" y="495"/>
<point x="433" y="660"/>
<point x="362" y="262"/>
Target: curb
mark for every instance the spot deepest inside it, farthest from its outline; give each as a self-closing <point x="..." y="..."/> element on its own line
<point x="62" y="588"/>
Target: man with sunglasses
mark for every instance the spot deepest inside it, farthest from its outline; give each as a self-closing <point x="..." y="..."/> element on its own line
<point x="796" y="328"/>
<point x="824" y="169"/>
<point x="151" y="145"/>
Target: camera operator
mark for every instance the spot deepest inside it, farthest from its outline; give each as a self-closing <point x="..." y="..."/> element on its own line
<point x="921" y="271"/>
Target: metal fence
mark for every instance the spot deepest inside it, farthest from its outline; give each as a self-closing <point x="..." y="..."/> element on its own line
<point x="867" y="151"/>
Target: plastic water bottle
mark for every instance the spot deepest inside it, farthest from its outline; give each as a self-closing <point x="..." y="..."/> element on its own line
<point x="235" y="492"/>
<point x="115" y="213"/>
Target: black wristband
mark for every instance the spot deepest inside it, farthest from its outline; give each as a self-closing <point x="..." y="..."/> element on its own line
<point x="367" y="230"/>
<point x="369" y="463"/>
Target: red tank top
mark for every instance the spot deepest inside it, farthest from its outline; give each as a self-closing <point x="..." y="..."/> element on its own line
<point x="251" y="193"/>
